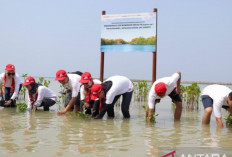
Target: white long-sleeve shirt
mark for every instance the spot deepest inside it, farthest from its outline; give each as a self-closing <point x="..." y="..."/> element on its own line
<point x="171" y="84"/>
<point x="219" y="94"/>
<point x="9" y="82"/>
<point x="44" y="93"/>
<point x="120" y="85"/>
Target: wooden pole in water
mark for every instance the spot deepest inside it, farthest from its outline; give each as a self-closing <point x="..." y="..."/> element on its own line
<point x="102" y="59"/>
<point x="154" y="53"/>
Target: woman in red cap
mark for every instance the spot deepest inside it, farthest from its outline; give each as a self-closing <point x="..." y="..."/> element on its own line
<point x="167" y="86"/>
<point x="11" y="85"/>
<point x="85" y="91"/>
<point x="39" y="95"/>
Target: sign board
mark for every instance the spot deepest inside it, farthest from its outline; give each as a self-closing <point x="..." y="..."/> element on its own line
<point x="128" y="32"/>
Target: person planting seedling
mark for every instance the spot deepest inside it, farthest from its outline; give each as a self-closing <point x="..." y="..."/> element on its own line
<point x="70" y="82"/>
<point x="39" y="95"/>
<point x="85" y="92"/>
<point x="107" y="94"/>
<point x="11" y="86"/>
<point x="167" y="86"/>
<point x="215" y="97"/>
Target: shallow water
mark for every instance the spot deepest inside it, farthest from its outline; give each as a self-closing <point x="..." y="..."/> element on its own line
<point x="47" y="134"/>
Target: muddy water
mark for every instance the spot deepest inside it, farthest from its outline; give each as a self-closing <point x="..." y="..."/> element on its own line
<point x="47" y="134"/>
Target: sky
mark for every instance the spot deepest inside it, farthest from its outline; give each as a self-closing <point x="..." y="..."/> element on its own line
<point x="41" y="37"/>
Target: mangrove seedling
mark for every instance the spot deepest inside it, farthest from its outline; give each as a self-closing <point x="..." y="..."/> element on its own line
<point x="22" y="106"/>
<point x="82" y="114"/>
<point x="44" y="82"/>
<point x="141" y="90"/>
<point x="229" y="120"/>
<point x="23" y="89"/>
<point x="152" y="117"/>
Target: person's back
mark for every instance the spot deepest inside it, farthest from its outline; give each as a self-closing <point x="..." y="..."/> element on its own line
<point x="213" y="98"/>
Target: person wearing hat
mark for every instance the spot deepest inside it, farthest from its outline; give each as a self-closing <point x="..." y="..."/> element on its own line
<point x="70" y="82"/>
<point x="107" y="94"/>
<point x="214" y="97"/>
<point x="167" y="86"/>
<point x="67" y="92"/>
<point x="39" y="95"/>
<point x="85" y="92"/>
<point x="11" y="85"/>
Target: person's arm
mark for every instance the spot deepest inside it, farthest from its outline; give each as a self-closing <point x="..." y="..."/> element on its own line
<point x="217" y="111"/>
<point x="151" y="111"/>
<point x="41" y="94"/>
<point x="103" y="111"/>
<point x="219" y="122"/>
<point x="82" y="96"/>
<point x="17" y="85"/>
<point x="69" y="106"/>
<point x="178" y="83"/>
<point x="34" y="108"/>
<point x="95" y="108"/>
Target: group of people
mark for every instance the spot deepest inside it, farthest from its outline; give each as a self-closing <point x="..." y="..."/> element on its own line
<point x="96" y="98"/>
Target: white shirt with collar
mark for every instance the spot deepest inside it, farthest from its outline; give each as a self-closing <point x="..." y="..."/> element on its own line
<point x="171" y="84"/>
<point x="9" y="82"/>
<point x="44" y="93"/>
<point x="219" y="94"/>
<point x="120" y="85"/>
<point x="73" y="84"/>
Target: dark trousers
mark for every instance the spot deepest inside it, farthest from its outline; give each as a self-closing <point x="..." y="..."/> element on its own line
<point x="68" y="97"/>
<point x="7" y="95"/>
<point x="46" y="103"/>
<point x="109" y="108"/>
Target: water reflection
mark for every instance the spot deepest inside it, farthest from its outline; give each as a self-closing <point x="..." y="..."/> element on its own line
<point x="7" y="127"/>
<point x="46" y="134"/>
<point x="93" y="136"/>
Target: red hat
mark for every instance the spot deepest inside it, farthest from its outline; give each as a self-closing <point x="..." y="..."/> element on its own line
<point x="10" y="67"/>
<point x="29" y="80"/>
<point x="160" y="88"/>
<point x="61" y="75"/>
<point x="95" y="90"/>
<point x="85" y="77"/>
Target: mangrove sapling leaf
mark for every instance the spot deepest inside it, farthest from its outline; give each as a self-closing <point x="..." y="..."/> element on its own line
<point x="82" y="114"/>
<point x="23" y="89"/>
<point x="190" y="94"/>
<point x="152" y="117"/>
<point x="229" y="120"/>
<point x="22" y="106"/>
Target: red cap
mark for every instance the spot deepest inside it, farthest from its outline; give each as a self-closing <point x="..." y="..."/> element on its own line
<point x="95" y="90"/>
<point x="160" y="88"/>
<point x="85" y="77"/>
<point x="10" y="67"/>
<point x="29" y="80"/>
<point x="61" y="75"/>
